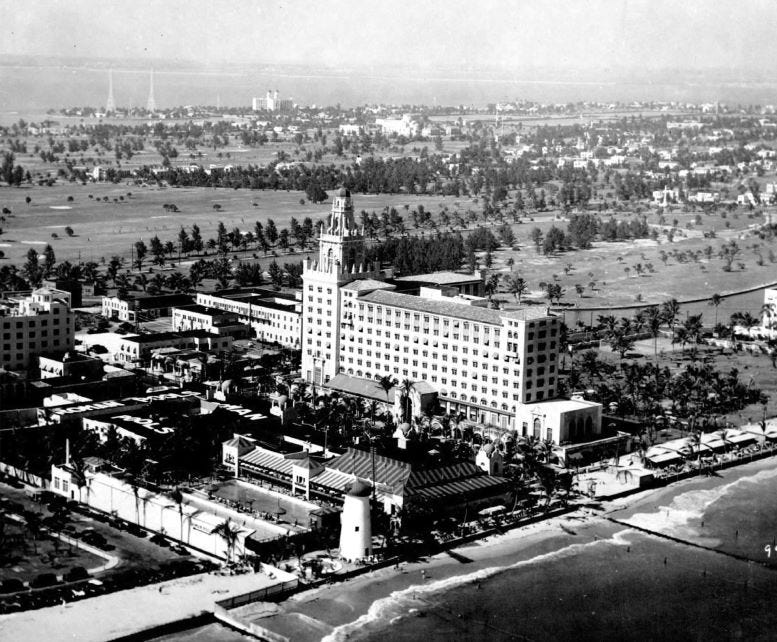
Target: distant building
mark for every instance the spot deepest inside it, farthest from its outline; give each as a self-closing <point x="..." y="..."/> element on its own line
<point x="214" y="320"/>
<point x="39" y="323"/>
<point x="138" y="349"/>
<point x="70" y="364"/>
<point x="273" y="102"/>
<point x="406" y="126"/>
<point x="272" y="316"/>
<point x="142" y="308"/>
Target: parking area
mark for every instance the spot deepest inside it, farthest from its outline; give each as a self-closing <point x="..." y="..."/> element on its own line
<point x="133" y="547"/>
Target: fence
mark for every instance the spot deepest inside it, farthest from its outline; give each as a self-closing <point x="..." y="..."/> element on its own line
<point x="276" y="591"/>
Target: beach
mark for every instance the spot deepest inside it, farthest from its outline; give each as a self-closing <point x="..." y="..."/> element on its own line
<point x="581" y="576"/>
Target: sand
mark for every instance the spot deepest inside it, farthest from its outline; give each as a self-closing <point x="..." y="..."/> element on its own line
<point x="347" y="608"/>
<point x="125" y="612"/>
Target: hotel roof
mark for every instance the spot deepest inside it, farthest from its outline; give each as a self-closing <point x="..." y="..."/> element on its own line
<point x="369" y="284"/>
<point x="442" y="278"/>
<point x="450" y="309"/>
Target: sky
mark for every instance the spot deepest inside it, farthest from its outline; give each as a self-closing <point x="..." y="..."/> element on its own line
<point x="589" y="35"/>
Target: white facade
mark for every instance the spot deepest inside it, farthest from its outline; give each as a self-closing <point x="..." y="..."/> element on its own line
<point x="355" y="526"/>
<point x="341" y="260"/>
<point x="36" y="324"/>
<point x="272" y="319"/>
<point x="769" y="312"/>
<point x="138" y="349"/>
<point x="561" y="421"/>
<point x="483" y="363"/>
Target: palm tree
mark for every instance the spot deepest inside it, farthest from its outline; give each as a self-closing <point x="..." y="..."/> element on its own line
<point x="406" y="389"/>
<point x="229" y="533"/>
<point x="670" y="309"/>
<point x="177" y="496"/>
<point x="387" y="382"/>
<point x="715" y="301"/>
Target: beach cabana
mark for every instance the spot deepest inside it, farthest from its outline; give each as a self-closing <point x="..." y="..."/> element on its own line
<point x="660" y="457"/>
<point x="740" y="439"/>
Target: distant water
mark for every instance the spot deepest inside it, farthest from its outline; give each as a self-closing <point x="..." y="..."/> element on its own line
<point x="33" y="89"/>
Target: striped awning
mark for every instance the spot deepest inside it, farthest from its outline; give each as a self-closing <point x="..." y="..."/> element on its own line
<point x="260" y="458"/>
<point x="460" y="489"/>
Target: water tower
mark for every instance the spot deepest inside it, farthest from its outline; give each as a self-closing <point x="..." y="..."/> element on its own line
<point x="355" y="527"/>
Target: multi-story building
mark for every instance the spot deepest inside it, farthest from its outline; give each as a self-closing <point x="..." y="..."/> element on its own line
<point x="213" y="320"/>
<point x="341" y="261"/>
<point x="138" y="349"/>
<point x="484" y="363"/>
<point x="142" y="308"/>
<point x="33" y="324"/>
<point x="273" y="102"/>
<point x="274" y="317"/>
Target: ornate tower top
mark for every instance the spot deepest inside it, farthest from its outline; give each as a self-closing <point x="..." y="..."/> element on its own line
<point x="341" y="221"/>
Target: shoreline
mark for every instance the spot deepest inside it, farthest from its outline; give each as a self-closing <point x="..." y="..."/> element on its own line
<point x="338" y="610"/>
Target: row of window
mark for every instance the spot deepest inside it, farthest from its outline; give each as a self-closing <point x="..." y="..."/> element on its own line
<point x="32" y="323"/>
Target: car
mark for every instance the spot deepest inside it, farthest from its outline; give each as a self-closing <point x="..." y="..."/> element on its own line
<point x="179" y="549"/>
<point x="11" y="585"/>
<point x="75" y="574"/>
<point x="160" y="540"/>
<point x="43" y="580"/>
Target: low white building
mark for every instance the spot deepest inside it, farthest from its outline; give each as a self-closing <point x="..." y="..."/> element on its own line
<point x="560" y="421"/>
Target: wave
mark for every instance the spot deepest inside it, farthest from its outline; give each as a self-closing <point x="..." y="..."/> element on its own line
<point x="686" y="510"/>
<point x="401" y="603"/>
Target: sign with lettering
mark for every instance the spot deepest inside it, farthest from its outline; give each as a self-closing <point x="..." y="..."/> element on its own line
<point x="145" y="422"/>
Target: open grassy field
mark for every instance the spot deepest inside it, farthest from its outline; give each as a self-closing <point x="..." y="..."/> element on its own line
<point x="103" y="229"/>
<point x="611" y="267"/>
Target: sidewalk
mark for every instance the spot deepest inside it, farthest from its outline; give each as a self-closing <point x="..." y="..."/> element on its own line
<point x="123" y="613"/>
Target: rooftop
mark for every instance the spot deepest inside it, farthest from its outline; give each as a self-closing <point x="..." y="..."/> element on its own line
<point x="442" y="278"/>
<point x="170" y="336"/>
<point x="451" y="309"/>
<point x="361" y="387"/>
<point x="368" y="284"/>
<point x="202" y="309"/>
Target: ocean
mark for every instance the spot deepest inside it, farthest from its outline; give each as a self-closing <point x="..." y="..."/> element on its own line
<point x="607" y="581"/>
<point x="28" y="90"/>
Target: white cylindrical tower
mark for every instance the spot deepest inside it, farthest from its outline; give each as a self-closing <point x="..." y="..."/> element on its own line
<point x="355" y="527"/>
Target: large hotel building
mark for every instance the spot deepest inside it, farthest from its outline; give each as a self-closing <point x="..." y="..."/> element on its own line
<point x="494" y="366"/>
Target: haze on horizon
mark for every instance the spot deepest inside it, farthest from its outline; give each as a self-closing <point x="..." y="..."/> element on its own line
<point x="589" y="35"/>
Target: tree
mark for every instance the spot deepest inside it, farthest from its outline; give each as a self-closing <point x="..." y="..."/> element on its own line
<point x="69" y="230"/>
<point x="49" y="260"/>
<point x="271" y="231"/>
<point x="669" y="311"/>
<point x="32" y="270"/>
<point x="229" y="532"/>
<point x="315" y="192"/>
<point x="716" y="300"/>
<point x="536" y="237"/>
<point x="196" y="242"/>
<point x="140" y="253"/>
<point x="276" y="274"/>
<point x="517" y="286"/>
<point x="158" y="250"/>
<point x="387" y="383"/>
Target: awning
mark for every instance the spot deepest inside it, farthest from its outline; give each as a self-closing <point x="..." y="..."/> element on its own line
<point x="664" y="458"/>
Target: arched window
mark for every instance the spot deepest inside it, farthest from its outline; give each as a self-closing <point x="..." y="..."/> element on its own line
<point x="589" y="426"/>
<point x="537" y="428"/>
